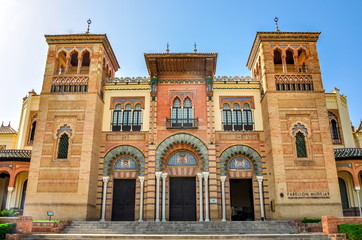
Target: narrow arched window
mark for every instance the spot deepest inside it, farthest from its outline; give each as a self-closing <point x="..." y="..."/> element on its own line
<point x="188" y="113"/>
<point x="62" y="62"/>
<point x="73" y="63"/>
<point x="85" y="63"/>
<point x="117" y="118"/>
<point x="289" y="60"/>
<point x="278" y="64"/>
<point x="137" y="118"/>
<point x="302" y="58"/>
<point x="300" y="145"/>
<point x="226" y="117"/>
<point x="237" y="119"/>
<point x="176" y="114"/>
<point x="63" y="146"/>
<point x="247" y="118"/>
<point x="32" y="132"/>
<point x="127" y="118"/>
<point x="23" y="194"/>
<point x="334" y="130"/>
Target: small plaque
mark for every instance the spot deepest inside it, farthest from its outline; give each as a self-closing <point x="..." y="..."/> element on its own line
<point x="213" y="200"/>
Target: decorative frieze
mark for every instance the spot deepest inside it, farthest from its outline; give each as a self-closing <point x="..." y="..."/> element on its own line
<point x="70" y="80"/>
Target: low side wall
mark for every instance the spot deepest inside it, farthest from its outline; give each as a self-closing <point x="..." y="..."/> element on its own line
<point x="330" y="223"/>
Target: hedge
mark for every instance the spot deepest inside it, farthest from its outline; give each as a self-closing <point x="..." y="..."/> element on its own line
<point x="311" y="220"/>
<point x="353" y="231"/>
<point x="6" y="228"/>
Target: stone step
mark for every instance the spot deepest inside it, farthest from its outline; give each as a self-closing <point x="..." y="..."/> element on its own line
<point x="247" y="227"/>
<point x="180" y="237"/>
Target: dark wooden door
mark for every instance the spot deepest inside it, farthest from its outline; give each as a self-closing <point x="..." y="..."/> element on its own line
<point x="124" y="191"/>
<point x="182" y="199"/>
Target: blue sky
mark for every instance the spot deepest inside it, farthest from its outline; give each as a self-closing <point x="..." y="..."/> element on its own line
<point x="136" y="27"/>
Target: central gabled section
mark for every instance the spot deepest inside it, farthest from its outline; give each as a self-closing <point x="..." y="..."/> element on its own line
<point x="172" y="66"/>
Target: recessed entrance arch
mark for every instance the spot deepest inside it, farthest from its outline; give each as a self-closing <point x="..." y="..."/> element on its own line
<point x="241" y="176"/>
<point x="124" y="164"/>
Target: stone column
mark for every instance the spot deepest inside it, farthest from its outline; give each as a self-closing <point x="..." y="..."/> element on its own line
<point x="206" y="182"/>
<point x="79" y="64"/>
<point x="201" y="205"/>
<point x="8" y="200"/>
<point x="358" y="188"/>
<point x="104" y="199"/>
<point x="260" y="184"/>
<point x="158" y="175"/>
<point x="164" y="177"/>
<point x="222" y="178"/>
<point x="142" y="179"/>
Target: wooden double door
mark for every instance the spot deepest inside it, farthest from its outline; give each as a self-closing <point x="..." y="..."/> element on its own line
<point x="124" y="196"/>
<point x="182" y="199"/>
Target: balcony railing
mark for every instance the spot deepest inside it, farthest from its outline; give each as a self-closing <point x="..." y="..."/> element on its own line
<point x="125" y="128"/>
<point x="242" y="127"/>
<point x="182" y="122"/>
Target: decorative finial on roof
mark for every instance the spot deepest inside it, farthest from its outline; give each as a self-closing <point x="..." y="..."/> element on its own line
<point x="9" y="124"/>
<point x="276" y="19"/>
<point x="2" y="124"/>
<point x="167" y="48"/>
<point x="89" y="23"/>
<point x="195" y="49"/>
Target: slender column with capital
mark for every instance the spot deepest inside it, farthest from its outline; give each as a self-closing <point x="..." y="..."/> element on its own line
<point x="201" y="207"/>
<point x="164" y="176"/>
<point x="8" y="200"/>
<point x="79" y="65"/>
<point x="104" y="199"/>
<point x="260" y="184"/>
<point x="206" y="182"/>
<point x="222" y="178"/>
<point x="158" y="175"/>
<point x="358" y="188"/>
<point x="142" y="179"/>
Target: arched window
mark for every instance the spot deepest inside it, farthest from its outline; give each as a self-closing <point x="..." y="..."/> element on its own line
<point x="343" y="192"/>
<point x="85" y="63"/>
<point x="300" y="145"/>
<point x="63" y="146"/>
<point x="302" y="58"/>
<point x="176" y="114"/>
<point x="137" y="118"/>
<point x="334" y="130"/>
<point x="247" y="118"/>
<point x="32" y="132"/>
<point x="127" y="118"/>
<point x="289" y="60"/>
<point x="188" y="113"/>
<point x="237" y="119"/>
<point x="73" y="62"/>
<point x="62" y="62"/>
<point x="226" y="117"/>
<point x="117" y="118"/>
<point x="278" y="64"/>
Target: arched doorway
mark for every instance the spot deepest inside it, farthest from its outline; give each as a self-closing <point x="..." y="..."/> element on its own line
<point x="241" y="179"/>
<point x="343" y="192"/>
<point x="182" y="179"/>
<point x="4" y="183"/>
<point x="124" y="170"/>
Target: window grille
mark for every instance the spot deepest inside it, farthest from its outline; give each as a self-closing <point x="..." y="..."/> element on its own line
<point x="301" y="145"/>
<point x="63" y="147"/>
<point x="137" y="118"/>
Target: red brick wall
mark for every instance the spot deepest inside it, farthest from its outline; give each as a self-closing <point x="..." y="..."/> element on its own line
<point x="330" y="223"/>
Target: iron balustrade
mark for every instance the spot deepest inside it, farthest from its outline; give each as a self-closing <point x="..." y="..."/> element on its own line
<point x="235" y="127"/>
<point x="182" y="123"/>
<point x="125" y="128"/>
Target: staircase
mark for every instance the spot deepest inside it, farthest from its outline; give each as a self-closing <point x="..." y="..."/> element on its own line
<point x="251" y="230"/>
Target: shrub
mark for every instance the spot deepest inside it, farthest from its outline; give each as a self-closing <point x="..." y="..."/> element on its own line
<point x="311" y="220"/>
<point x="9" y="213"/>
<point x="6" y="228"/>
<point x="353" y="231"/>
<point x="55" y="221"/>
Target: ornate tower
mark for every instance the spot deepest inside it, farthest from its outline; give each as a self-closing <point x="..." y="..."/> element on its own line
<point x="299" y="151"/>
<point x="65" y="158"/>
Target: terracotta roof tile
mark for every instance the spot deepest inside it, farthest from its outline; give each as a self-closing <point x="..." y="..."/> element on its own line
<point x="10" y="155"/>
<point x="348" y="153"/>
